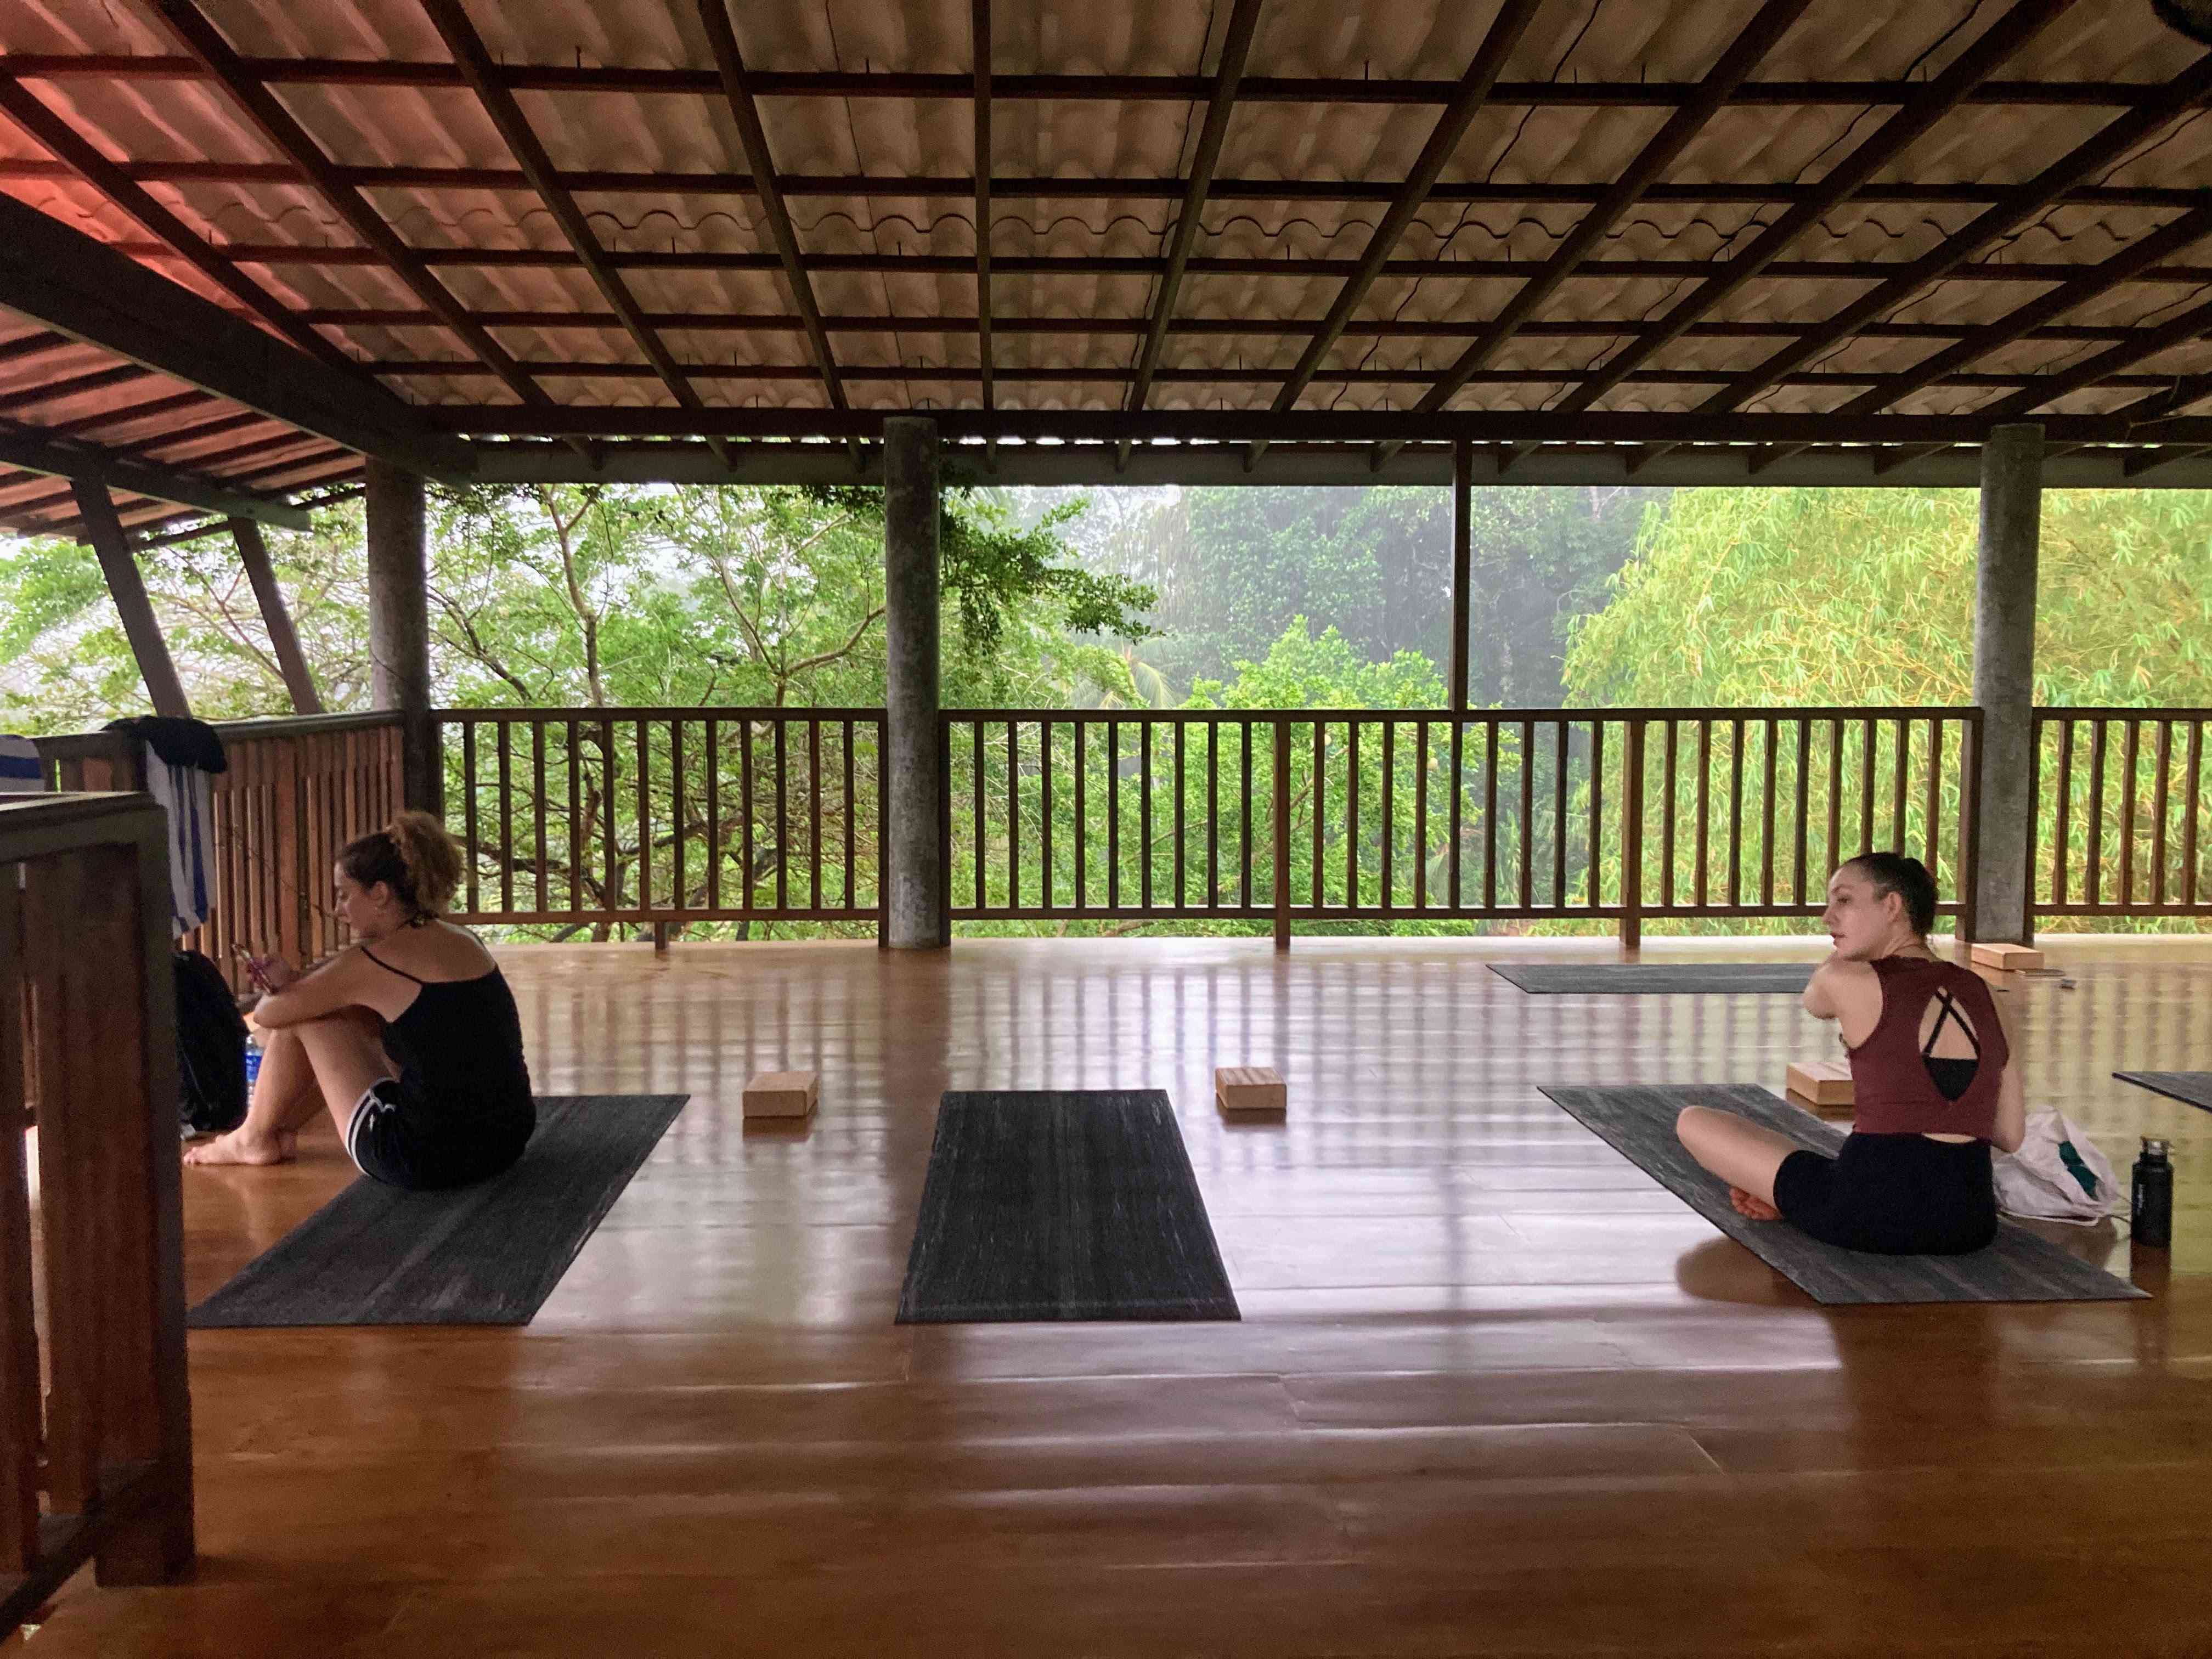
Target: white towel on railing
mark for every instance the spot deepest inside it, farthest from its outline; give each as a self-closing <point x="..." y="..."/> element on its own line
<point x="185" y="793"/>
<point x="20" y="771"/>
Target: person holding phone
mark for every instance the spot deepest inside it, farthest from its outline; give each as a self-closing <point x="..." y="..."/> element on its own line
<point x="409" y="1039"/>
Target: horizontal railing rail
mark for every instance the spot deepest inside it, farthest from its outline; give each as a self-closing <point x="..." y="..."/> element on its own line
<point x="666" y="816"/>
<point x="1311" y="815"/>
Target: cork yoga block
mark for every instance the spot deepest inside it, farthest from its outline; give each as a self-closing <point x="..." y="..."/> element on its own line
<point x="1239" y="1089"/>
<point x="782" y="1094"/>
<point x="2012" y="958"/>
<point x="1823" y="1082"/>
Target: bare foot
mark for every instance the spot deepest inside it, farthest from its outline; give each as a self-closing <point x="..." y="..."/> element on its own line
<point x="1752" y="1208"/>
<point x="238" y="1147"/>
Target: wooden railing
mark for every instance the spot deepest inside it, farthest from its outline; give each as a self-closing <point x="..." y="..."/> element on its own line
<point x="2121" y="802"/>
<point x="666" y="816"/>
<point x="296" y="791"/>
<point x="87" y="1020"/>
<point x="1302" y="815"/>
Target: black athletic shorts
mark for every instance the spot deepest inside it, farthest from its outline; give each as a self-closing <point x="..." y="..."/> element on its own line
<point x="393" y="1139"/>
<point x="1895" y="1194"/>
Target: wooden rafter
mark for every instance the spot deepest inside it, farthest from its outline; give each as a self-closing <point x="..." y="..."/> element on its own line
<point x="979" y="35"/>
<point x="33" y="452"/>
<point x="476" y="63"/>
<point x="1504" y="34"/>
<point x="1930" y="104"/>
<point x="2105" y="148"/>
<point x="69" y="145"/>
<point x="1757" y="38"/>
<point x="304" y="156"/>
<point x="2149" y="342"/>
<point x="1228" y="73"/>
<point x="1086" y="88"/>
<point x="730" y="62"/>
<point x="70" y="284"/>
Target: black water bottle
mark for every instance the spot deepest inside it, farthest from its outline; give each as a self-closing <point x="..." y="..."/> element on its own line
<point x="2152" y="1211"/>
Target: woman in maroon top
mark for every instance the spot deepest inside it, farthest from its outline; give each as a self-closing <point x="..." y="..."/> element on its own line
<point x="1931" y="1076"/>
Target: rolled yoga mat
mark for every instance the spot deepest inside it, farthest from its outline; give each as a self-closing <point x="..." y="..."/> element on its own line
<point x="1658" y="978"/>
<point x="1639" y="1123"/>
<point x="486" y="1255"/>
<point x="1061" y="1205"/>
<point x="2191" y="1088"/>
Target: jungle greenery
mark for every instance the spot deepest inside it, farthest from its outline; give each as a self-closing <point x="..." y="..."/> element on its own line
<point x="1204" y="602"/>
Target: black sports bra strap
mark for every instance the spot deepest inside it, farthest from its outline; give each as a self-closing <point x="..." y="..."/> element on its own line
<point x="1947" y="1012"/>
<point x="388" y="968"/>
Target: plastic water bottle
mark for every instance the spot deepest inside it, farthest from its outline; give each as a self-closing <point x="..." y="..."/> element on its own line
<point x="253" y="1062"/>
<point x="2151" y="1212"/>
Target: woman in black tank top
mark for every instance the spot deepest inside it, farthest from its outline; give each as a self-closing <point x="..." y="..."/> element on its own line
<point x="409" y="1040"/>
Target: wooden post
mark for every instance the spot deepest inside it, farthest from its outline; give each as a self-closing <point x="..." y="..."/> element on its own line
<point x="291" y="662"/>
<point x="1282" y="827"/>
<point x="1632" y="842"/>
<point x="128" y="589"/>
<point x="1462" y="564"/>
<point x="399" y="625"/>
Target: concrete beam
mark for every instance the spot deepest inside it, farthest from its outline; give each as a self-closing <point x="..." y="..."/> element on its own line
<point x="70" y="282"/>
<point x="81" y="465"/>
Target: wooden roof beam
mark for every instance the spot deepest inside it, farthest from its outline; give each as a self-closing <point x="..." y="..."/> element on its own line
<point x="70" y="282"/>
<point x="305" y="156"/>
<point x="1228" y="75"/>
<point x="33" y="453"/>
<point x="2105" y="148"/>
<point x="108" y="177"/>
<point x="461" y="39"/>
<point x="1474" y="91"/>
<point x="1167" y="88"/>
<point x="979" y="38"/>
<point x="1929" y="103"/>
<point x="1757" y="38"/>
<point x="2048" y="388"/>
<point x="730" y="64"/>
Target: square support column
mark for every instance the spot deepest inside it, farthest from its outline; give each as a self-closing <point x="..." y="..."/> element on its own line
<point x="399" y="623"/>
<point x="914" y="799"/>
<point x="2004" y="680"/>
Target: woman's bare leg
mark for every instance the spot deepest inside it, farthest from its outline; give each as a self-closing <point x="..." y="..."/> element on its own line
<point x="289" y="1091"/>
<point x="1739" y="1151"/>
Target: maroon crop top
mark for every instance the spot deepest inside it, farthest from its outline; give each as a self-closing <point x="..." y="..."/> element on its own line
<point x="1894" y="1081"/>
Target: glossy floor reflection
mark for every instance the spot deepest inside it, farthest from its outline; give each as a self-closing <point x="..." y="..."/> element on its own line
<point x="1494" y="1391"/>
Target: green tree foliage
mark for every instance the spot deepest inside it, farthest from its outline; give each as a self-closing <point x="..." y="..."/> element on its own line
<point x="1762" y="597"/>
<point x="1759" y="598"/>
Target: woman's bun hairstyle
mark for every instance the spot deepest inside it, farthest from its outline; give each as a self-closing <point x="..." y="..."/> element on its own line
<point x="1907" y="878"/>
<point x="413" y="856"/>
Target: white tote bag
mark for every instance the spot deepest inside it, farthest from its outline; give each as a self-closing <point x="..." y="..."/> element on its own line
<point x="2058" y="1175"/>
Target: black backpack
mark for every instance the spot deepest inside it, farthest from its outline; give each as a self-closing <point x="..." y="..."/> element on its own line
<point x="210" y="1048"/>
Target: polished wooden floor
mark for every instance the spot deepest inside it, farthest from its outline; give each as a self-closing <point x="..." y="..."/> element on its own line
<point x="1494" y="1392"/>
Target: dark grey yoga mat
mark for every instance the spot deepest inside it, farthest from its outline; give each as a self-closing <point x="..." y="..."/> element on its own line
<point x="1656" y="978"/>
<point x="486" y="1255"/>
<point x="2191" y="1088"/>
<point x="1061" y="1204"/>
<point x="1639" y="1122"/>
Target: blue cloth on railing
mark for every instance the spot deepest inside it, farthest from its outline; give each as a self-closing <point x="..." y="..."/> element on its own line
<point x="181" y="754"/>
<point x="20" y="771"/>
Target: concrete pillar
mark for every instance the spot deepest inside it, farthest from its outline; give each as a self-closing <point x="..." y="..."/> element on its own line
<point x="104" y="530"/>
<point x="399" y="622"/>
<point x="291" y="661"/>
<point x="914" y="808"/>
<point x="2004" y="678"/>
<point x="1462" y="557"/>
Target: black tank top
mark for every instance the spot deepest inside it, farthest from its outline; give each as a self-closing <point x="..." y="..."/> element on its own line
<point x="459" y="1047"/>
